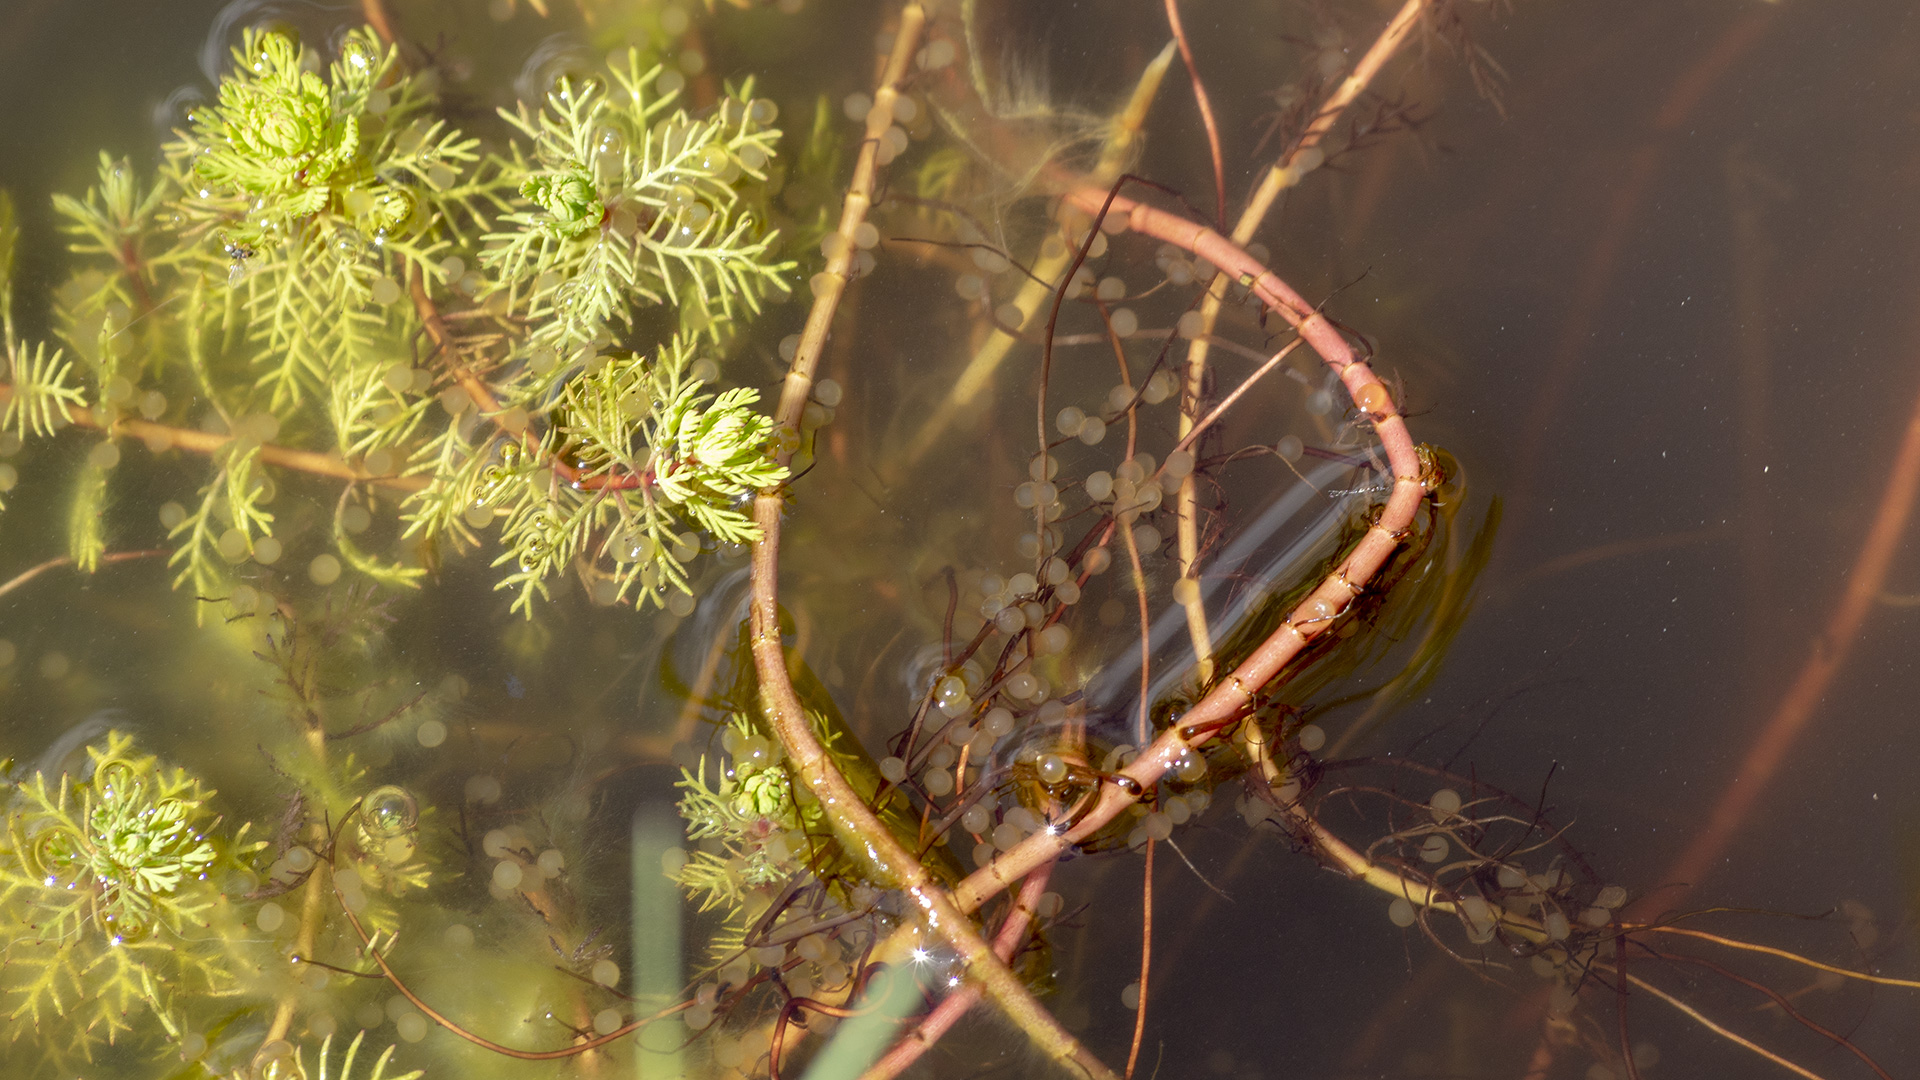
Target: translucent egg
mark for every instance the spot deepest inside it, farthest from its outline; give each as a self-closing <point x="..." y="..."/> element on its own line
<point x="507" y="874"/>
<point x="977" y="819"/>
<point x="1556" y="926"/>
<point x="1401" y="912"/>
<point x="1051" y="640"/>
<point x="1186" y="592"/>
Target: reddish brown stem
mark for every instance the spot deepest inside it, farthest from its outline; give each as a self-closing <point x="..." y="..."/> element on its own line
<point x="1206" y="113"/>
<point x="1146" y="962"/>
<point x="35" y="571"/>
<point x="1830" y="651"/>
<point x="206" y="442"/>
<point x="955" y="1005"/>
<point x="1315" y="614"/>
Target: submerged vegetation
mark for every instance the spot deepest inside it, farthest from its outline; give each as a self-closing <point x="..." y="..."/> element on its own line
<point x="373" y="344"/>
<point x="286" y="282"/>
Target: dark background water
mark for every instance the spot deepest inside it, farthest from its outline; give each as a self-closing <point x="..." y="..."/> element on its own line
<point x="1662" y="307"/>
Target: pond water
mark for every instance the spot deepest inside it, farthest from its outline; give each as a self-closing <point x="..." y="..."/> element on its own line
<point x="1646" y="287"/>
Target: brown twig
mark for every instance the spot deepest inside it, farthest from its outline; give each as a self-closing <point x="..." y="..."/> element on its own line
<point x="785" y="713"/>
<point x="1206" y="112"/>
<point x="1282" y="175"/>
<point x="1146" y="962"/>
<point x="1313" y="616"/>
<point x="1748" y="946"/>
<point x="955" y="1005"/>
<point x="207" y="442"/>
<point x="1779" y="1000"/>
<point x="1741" y="1041"/>
<point x="36" y="570"/>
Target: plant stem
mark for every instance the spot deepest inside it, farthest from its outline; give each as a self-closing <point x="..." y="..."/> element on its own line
<point x="1046" y="272"/>
<point x="1146" y="962"/>
<point x="955" y="1005"/>
<point x="785" y="713"/>
<point x="1279" y="177"/>
<point x="1206" y="111"/>
<point x="207" y="442"/>
<point x="36" y="570"/>
<point x="1830" y="651"/>
<point x="1315" y="614"/>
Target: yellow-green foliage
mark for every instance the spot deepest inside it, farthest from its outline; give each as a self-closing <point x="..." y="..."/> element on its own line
<point x="105" y="896"/>
<point x="324" y="263"/>
<point x="295" y="1067"/>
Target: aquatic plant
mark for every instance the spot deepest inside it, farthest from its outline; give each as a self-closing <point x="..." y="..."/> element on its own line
<point x="294" y="1067"/>
<point x="329" y="289"/>
<point x="106" y="882"/>
<point x="309" y="227"/>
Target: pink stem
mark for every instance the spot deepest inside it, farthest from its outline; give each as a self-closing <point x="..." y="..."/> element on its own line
<point x="1315" y="614"/>
<point x="955" y="1005"/>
